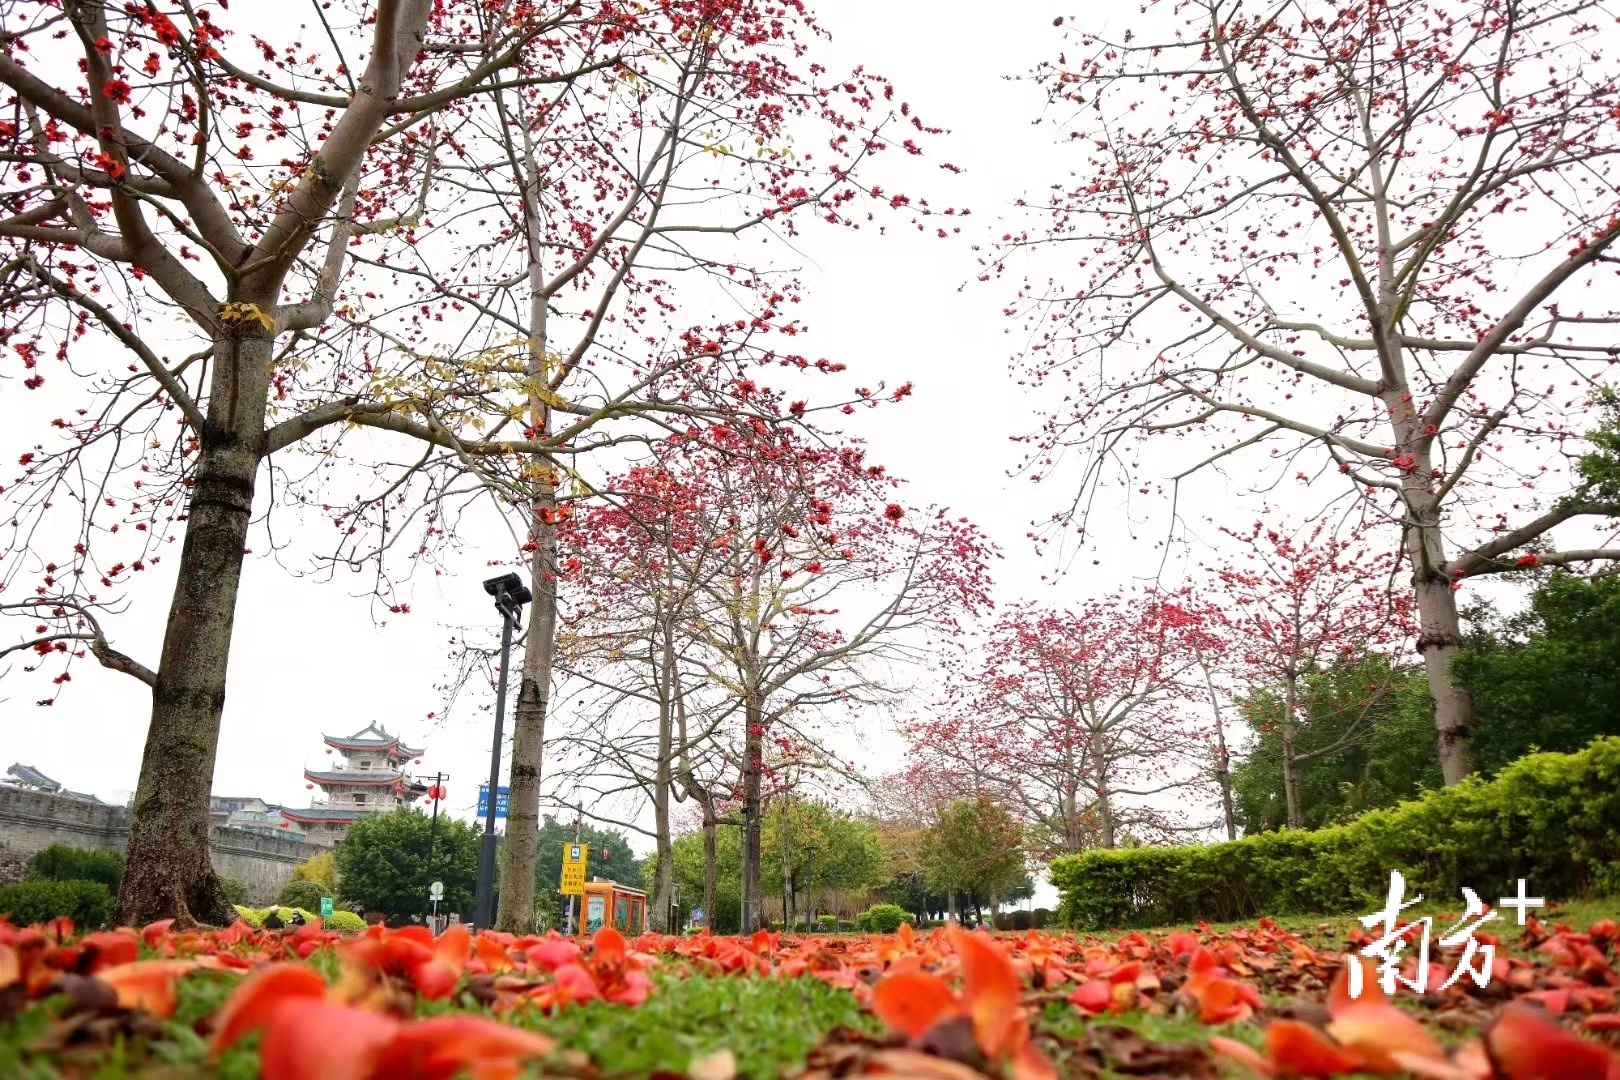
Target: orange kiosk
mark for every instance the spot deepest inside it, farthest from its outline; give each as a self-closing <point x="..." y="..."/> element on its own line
<point x="607" y="903"/>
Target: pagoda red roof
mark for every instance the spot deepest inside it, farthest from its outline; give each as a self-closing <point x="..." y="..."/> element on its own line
<point x="324" y="815"/>
<point x="371" y="737"/>
<point x="357" y="776"/>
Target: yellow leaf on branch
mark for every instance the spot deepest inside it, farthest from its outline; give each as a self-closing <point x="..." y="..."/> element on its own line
<point x="238" y="311"/>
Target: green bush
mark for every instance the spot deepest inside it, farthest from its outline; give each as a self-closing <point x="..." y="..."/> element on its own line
<point x="826" y="924"/>
<point x="1041" y="918"/>
<point x="346" y="921"/>
<point x="302" y="894"/>
<point x="62" y="863"/>
<point x="235" y="889"/>
<point x="88" y="903"/>
<point x="1552" y="819"/>
<point x="882" y="918"/>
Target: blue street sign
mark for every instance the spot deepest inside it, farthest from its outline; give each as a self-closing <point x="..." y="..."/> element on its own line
<point x="502" y="795"/>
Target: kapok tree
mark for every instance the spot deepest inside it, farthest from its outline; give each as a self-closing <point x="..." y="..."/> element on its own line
<point x="623" y="285"/>
<point x="1373" y="238"/>
<point x="1081" y="711"/>
<point x="176" y="231"/>
<point x="1293" y="604"/>
<point x="639" y="722"/>
<point x="811" y="588"/>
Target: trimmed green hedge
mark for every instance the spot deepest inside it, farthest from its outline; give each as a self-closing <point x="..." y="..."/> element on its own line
<point x="1552" y="819"/>
<point x="346" y="921"/>
<point x="89" y="904"/>
<point x="60" y="862"/>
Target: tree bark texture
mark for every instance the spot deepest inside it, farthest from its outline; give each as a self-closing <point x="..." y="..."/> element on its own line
<point x="753" y="766"/>
<point x="168" y="874"/>
<point x="522" y="844"/>
<point x="1292" y="792"/>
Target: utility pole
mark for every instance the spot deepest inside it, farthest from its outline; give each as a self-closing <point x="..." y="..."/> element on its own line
<point x="435" y="796"/>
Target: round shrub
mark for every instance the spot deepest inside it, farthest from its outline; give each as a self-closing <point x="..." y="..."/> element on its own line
<point x="883" y="918"/>
<point x="1021" y="920"/>
<point x="826" y="923"/>
<point x="302" y="894"/>
<point x="235" y="890"/>
<point x="346" y="921"/>
<point x="88" y="903"/>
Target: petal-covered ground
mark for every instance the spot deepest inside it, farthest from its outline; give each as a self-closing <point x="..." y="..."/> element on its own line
<point x="947" y="1004"/>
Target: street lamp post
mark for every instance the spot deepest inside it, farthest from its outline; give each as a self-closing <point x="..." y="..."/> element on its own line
<point x="510" y="595"/>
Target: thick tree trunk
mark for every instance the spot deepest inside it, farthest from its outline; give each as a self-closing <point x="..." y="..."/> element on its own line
<point x="1439" y="642"/>
<point x="1292" y="794"/>
<point x="1105" y="802"/>
<point x="522" y="843"/>
<point x="168" y="874"/>
<point x="664" y="879"/>
<point x="519" y="852"/>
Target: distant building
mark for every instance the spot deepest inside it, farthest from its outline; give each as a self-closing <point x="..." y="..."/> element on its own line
<point x="250" y="813"/>
<point x="368" y="777"/>
<point x="221" y="807"/>
<point x="26" y="776"/>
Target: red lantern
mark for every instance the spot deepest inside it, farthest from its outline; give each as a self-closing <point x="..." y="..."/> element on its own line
<point x="309" y="787"/>
<point x="328" y="749"/>
<point x="283" y="825"/>
<point x="418" y="761"/>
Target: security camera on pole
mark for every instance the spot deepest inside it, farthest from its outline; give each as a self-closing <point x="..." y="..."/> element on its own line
<point x="510" y="595"/>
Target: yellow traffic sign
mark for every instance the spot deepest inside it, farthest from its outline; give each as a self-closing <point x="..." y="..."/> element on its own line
<point x="575" y="857"/>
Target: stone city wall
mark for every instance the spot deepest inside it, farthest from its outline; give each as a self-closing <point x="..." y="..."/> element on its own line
<point x="31" y="821"/>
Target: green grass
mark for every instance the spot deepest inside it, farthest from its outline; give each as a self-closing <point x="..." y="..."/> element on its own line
<point x="769" y="1024"/>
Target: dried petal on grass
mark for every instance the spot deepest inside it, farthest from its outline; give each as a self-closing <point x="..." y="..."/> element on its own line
<point x="720" y="1065"/>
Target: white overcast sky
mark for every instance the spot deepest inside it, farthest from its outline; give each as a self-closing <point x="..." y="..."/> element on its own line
<point x="307" y="657"/>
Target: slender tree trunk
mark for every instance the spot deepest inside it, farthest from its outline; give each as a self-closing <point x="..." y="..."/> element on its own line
<point x="168" y="874"/>
<point x="754" y="765"/>
<point x="1290" y="763"/>
<point x="787" y="873"/>
<point x="711" y="864"/>
<point x="664" y="879"/>
<point x="1223" y="759"/>
<point x="1439" y="643"/>
<point x="522" y="846"/>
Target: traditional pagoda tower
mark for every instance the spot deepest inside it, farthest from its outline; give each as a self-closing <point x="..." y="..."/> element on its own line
<point x="368" y="777"/>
